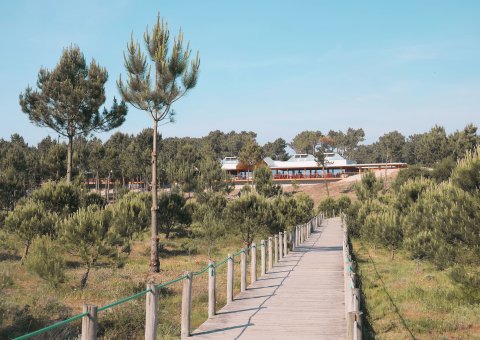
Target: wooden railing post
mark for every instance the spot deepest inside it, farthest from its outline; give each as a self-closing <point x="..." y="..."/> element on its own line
<point x="270" y="254"/>
<point x="186" y="305"/>
<point x="285" y="243"/>
<point x="275" y="249"/>
<point x="280" y="245"/>
<point x="212" y="281"/>
<point x="243" y="270"/>
<point x="253" y="263"/>
<point x="151" y="314"/>
<point x="230" y="273"/>
<point x="297" y="237"/>
<point x="354" y="326"/>
<point x="263" y="268"/>
<point x="89" y="323"/>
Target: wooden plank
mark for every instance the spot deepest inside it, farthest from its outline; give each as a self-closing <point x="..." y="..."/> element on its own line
<point x="301" y="297"/>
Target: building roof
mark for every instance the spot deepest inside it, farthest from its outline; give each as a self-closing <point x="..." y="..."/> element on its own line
<point x="297" y="161"/>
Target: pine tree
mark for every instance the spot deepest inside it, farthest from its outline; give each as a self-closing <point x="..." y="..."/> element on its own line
<point x="68" y="100"/>
<point x="172" y="78"/>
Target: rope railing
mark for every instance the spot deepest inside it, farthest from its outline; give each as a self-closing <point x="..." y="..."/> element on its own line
<point x="283" y="241"/>
<point x="352" y="292"/>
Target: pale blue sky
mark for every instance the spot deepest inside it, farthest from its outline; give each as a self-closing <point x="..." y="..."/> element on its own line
<point x="274" y="67"/>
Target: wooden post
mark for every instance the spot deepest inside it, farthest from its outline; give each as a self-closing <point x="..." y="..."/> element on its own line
<point x="356" y="299"/>
<point x="280" y="245"/>
<point x="285" y="243"/>
<point x="151" y="315"/>
<point x="89" y="323"/>
<point x="354" y="326"/>
<point x="212" y="278"/>
<point x="297" y="237"/>
<point x="243" y="270"/>
<point x="350" y="325"/>
<point x="253" y="263"/>
<point x="186" y="304"/>
<point x="263" y="268"/>
<point x="270" y="255"/>
<point x="275" y="248"/>
<point x="230" y="278"/>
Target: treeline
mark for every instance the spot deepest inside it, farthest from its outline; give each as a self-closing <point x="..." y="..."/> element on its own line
<point x="188" y="162"/>
<point x="430" y="217"/>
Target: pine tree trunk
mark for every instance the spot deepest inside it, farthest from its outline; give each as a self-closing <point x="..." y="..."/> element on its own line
<point x="83" y="281"/>
<point x="325" y="180"/>
<point x="25" y="253"/>
<point x="69" y="159"/>
<point x="154" y="261"/>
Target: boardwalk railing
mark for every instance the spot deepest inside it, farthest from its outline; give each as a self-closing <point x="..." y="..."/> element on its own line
<point x="352" y="292"/>
<point x="283" y="242"/>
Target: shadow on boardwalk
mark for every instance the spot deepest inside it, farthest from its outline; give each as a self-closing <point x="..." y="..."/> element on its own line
<point x="300" y="298"/>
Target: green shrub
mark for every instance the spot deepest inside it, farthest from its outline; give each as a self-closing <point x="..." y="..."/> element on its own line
<point x="410" y="173"/>
<point x="443" y="169"/>
<point x="62" y="197"/>
<point x="131" y="214"/>
<point x="46" y="261"/>
<point x="328" y="207"/>
<point x="369" y="187"/>
<point x="89" y="235"/>
<point x="288" y="211"/>
<point x="92" y="198"/>
<point x="263" y="180"/>
<point x="385" y="228"/>
<point x="409" y="193"/>
<point x="443" y="226"/>
<point x="29" y="220"/>
<point x="466" y="174"/>
<point x="343" y="203"/>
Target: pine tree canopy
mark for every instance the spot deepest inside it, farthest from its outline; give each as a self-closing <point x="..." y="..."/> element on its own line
<point x="69" y="97"/>
<point x="172" y="76"/>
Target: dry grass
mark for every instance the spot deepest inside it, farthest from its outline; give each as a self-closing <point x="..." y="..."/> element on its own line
<point x="407" y="299"/>
<point x="47" y="305"/>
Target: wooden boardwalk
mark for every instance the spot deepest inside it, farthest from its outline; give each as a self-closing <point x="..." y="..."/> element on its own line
<point x="302" y="297"/>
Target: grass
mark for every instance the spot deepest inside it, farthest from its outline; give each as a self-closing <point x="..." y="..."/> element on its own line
<point x="408" y="299"/>
<point x="29" y="304"/>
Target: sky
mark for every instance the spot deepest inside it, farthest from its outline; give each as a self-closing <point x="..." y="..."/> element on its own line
<point x="273" y="67"/>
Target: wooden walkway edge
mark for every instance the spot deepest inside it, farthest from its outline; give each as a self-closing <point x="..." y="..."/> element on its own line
<point x="302" y="297"/>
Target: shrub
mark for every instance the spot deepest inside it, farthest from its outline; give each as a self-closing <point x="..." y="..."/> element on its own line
<point x="62" y="197"/>
<point x="248" y="216"/>
<point x="466" y="174"/>
<point x="92" y="198"/>
<point x="443" y="169"/>
<point x="343" y="203"/>
<point x="46" y="261"/>
<point x="369" y="187"/>
<point x="328" y="207"/>
<point x="89" y="235"/>
<point x="172" y="213"/>
<point x="263" y="181"/>
<point x="410" y="173"/>
<point x="131" y="214"/>
<point x="443" y="226"/>
<point x="410" y="192"/>
<point x="29" y="220"/>
<point x="385" y="228"/>
<point x="289" y="211"/>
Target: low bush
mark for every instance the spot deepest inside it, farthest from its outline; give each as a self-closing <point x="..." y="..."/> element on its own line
<point x="46" y="261"/>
